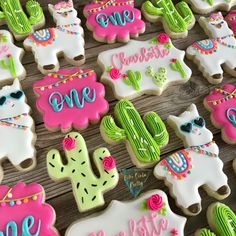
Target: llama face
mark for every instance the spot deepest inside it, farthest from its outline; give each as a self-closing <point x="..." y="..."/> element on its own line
<point x="190" y="127"/>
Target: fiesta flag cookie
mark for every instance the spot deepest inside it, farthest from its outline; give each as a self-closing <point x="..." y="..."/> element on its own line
<point x="222" y="104"/>
<point x="177" y="20"/>
<point x="66" y="39"/>
<point x="220" y="49"/>
<point x="143" y="67"/>
<point x="114" y="20"/>
<point x="196" y="166"/>
<point x="17" y="134"/>
<point x="70" y="98"/>
<point x="231" y="20"/>
<point x="88" y="189"/>
<point x="148" y="215"/>
<point x="143" y="138"/>
<point x="23" y="211"/>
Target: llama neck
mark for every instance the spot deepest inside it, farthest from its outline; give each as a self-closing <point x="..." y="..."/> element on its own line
<point x="230" y="40"/>
<point x="209" y="148"/>
<point x="73" y="21"/>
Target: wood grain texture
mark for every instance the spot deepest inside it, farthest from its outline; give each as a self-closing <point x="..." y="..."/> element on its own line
<point x="173" y="101"/>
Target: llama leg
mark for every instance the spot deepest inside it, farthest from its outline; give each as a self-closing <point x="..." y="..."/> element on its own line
<point x="230" y="66"/>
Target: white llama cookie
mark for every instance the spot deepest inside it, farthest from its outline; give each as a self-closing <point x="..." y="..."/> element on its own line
<point x="148" y="215"/>
<point x="66" y="39"/>
<point x="17" y="136"/>
<point x="10" y="58"/>
<point x="219" y="51"/>
<point x="207" y="6"/>
<point x="196" y="166"/>
<point x="144" y="67"/>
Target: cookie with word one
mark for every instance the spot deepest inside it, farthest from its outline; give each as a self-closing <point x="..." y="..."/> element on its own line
<point x="219" y="51"/>
<point x="177" y="20"/>
<point x="231" y="20"/>
<point x="114" y="20"/>
<point x="198" y="165"/>
<point x="143" y="137"/>
<point x="70" y="98"/>
<point x="144" y="67"/>
<point x="149" y="214"/>
<point x="17" y="134"/>
<point x="10" y="59"/>
<point x="88" y="189"/>
<point x="66" y="39"/>
<point x="221" y="102"/>
<point x="23" y="211"/>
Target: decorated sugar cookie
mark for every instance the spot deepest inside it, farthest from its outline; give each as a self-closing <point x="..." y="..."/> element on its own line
<point x="211" y="54"/>
<point x="10" y="58"/>
<point x="222" y="104"/>
<point x="88" y="189"/>
<point x="23" y="211"/>
<point x="231" y="20"/>
<point x="143" y="137"/>
<point x="12" y="14"/>
<point x="70" y="98"/>
<point x="177" y="20"/>
<point x="196" y="166"/>
<point x="114" y="20"/>
<point x="66" y="39"/>
<point x="144" y="67"/>
<point x="234" y="165"/>
<point x="148" y="215"/>
<point x="17" y="135"/>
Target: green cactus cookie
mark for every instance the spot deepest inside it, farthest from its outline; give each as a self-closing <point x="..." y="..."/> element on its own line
<point x="144" y="138"/>
<point x="21" y="26"/>
<point x="88" y="189"/>
<point x="204" y="232"/>
<point x="177" y="20"/>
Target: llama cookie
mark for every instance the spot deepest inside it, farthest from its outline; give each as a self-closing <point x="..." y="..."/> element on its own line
<point x="10" y="58"/>
<point x="88" y="189"/>
<point x="114" y="20"/>
<point x="177" y="20"/>
<point x="231" y="20"/>
<point x="143" y="138"/>
<point x="70" y="98"/>
<point x="12" y="14"/>
<point x="148" y="215"/>
<point x="23" y="211"/>
<point x="143" y="67"/>
<point x="196" y="166"/>
<point x="222" y="104"/>
<point x="17" y="135"/>
<point x="66" y="39"/>
<point x="211" y="54"/>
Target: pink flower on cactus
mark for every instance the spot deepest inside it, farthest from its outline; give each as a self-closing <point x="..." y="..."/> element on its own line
<point x="155" y="202"/>
<point x="115" y="73"/>
<point x="163" y="38"/>
<point x="69" y="143"/>
<point x="109" y="163"/>
<point x="173" y="60"/>
<point x="8" y="55"/>
<point x="174" y="232"/>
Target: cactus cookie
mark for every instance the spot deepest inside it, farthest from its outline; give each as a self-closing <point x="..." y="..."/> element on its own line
<point x="143" y="67"/>
<point x="143" y="138"/>
<point x="23" y="211"/>
<point x="150" y="214"/>
<point x="88" y="189"/>
<point x="176" y="20"/>
<point x="12" y="14"/>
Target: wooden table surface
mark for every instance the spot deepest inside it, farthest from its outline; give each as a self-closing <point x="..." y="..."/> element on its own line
<point x="173" y="101"/>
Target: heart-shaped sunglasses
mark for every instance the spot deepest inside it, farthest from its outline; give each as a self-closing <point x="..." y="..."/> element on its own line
<point x="17" y="95"/>
<point x="188" y="127"/>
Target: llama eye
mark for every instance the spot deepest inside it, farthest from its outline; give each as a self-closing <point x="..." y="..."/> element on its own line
<point x="2" y="100"/>
<point x="17" y="95"/>
<point x="186" y="128"/>
<point x="199" y="122"/>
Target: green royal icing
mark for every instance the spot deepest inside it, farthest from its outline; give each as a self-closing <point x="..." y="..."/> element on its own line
<point x="145" y="137"/>
<point x="206" y="232"/>
<point x="133" y="79"/>
<point x="176" y="65"/>
<point x="17" y="20"/>
<point x="159" y="78"/>
<point x="88" y="189"/>
<point x="178" y="18"/>
<point x="9" y="64"/>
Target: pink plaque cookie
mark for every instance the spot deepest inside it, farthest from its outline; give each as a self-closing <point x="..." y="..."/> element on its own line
<point x="70" y="99"/>
<point x="231" y="20"/>
<point x="114" y="20"/>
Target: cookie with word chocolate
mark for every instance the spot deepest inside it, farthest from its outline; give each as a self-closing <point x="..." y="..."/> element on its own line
<point x="114" y="20"/>
<point x="198" y="165"/>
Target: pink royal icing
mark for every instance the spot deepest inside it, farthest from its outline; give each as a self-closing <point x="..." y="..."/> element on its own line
<point x="231" y="20"/>
<point x="155" y="202"/>
<point x="22" y="203"/>
<point x="113" y="19"/>
<point x="70" y="98"/>
<point x="69" y="143"/>
<point x="109" y="163"/>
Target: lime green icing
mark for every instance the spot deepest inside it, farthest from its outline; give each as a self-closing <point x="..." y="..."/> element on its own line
<point x="206" y="232"/>
<point x="145" y="137"/>
<point x="9" y="64"/>
<point x="178" y="18"/>
<point x="177" y="66"/>
<point x="133" y="79"/>
<point x="16" y="18"/>
<point x="88" y="189"/>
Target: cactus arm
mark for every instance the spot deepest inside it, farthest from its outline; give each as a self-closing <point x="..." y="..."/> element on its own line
<point x="3" y="64"/>
<point x="133" y="79"/>
<point x="35" y="11"/>
<point x="2" y="16"/>
<point x="205" y="232"/>
<point x="185" y="12"/>
<point x="177" y="66"/>
<point x="151" y="9"/>
<point x="157" y="128"/>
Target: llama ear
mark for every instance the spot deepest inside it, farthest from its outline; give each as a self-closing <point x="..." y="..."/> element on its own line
<point x="202" y="21"/>
<point x="71" y="3"/>
<point x="16" y="84"/>
<point x="173" y="120"/>
<point x="193" y="109"/>
<point x="51" y="8"/>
